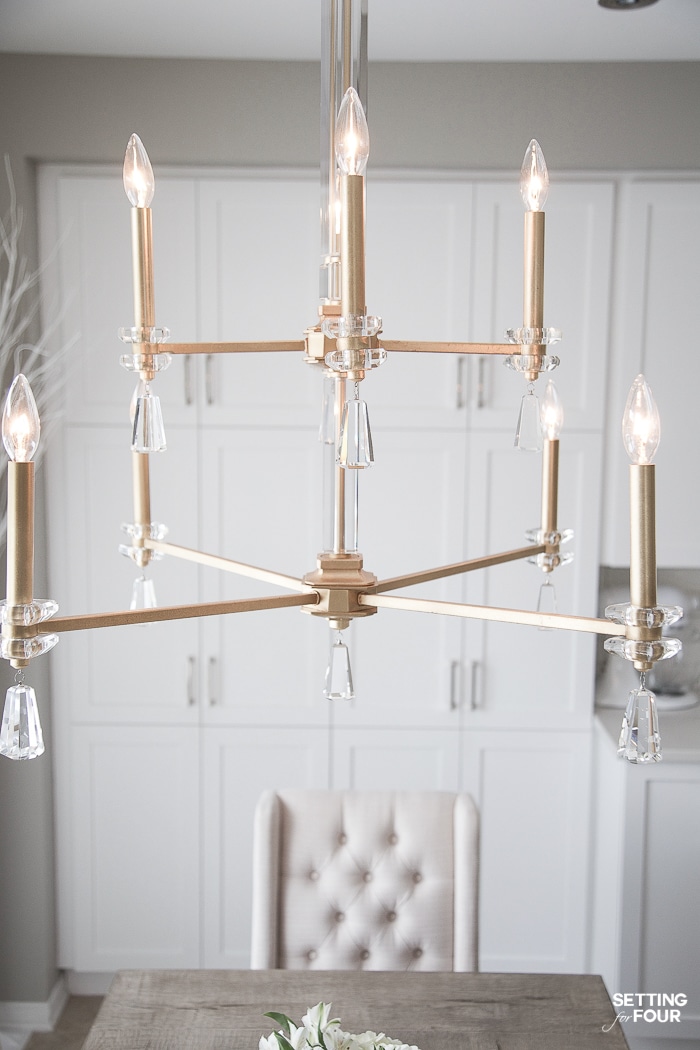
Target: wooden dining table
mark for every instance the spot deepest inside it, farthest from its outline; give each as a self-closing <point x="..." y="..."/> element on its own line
<point x="224" y="1009"/>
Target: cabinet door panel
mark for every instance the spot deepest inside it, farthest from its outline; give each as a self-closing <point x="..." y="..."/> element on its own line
<point x="418" y="235"/>
<point x="239" y="764"/>
<point x="523" y="673"/>
<point x="577" y="278"/>
<point x="411" y="511"/>
<point x="263" y="489"/>
<point x="135" y="848"/>
<point x="259" y="249"/>
<point x="654" y="321"/>
<point x="532" y="790"/>
<point x="135" y="673"/>
<point x="91" y="279"/>
<point x="395" y="760"/>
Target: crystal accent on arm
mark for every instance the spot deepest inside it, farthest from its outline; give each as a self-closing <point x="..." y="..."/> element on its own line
<point x="635" y="616"/>
<point x="648" y="652"/>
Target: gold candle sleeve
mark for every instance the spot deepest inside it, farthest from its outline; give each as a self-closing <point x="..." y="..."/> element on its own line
<point x="643" y="535"/>
<point x="533" y="270"/>
<point x="142" y="266"/>
<point x="550" y="484"/>
<point x="20" y="533"/>
<point x="352" y="245"/>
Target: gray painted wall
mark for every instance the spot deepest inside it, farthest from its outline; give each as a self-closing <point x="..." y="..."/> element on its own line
<point x="479" y="116"/>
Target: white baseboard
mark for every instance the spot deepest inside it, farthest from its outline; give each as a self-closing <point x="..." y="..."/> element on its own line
<point x="19" y="1020"/>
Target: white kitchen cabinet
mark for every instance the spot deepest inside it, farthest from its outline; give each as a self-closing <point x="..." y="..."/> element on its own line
<point x="657" y="278"/>
<point x="533" y="793"/>
<point x="646" y="911"/>
<point x="395" y="759"/>
<point x="237" y="766"/>
<point x="133" y="889"/>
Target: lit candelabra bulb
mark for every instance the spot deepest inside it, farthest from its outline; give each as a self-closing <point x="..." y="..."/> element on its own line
<point x="552" y="412"/>
<point x="641" y="426"/>
<point x="534" y="178"/>
<point x="351" y="135"/>
<point x="139" y="182"/>
<point x="21" y="426"/>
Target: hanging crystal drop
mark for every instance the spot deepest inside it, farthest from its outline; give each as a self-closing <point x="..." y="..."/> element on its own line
<point x="20" y="732"/>
<point x="355" y="450"/>
<point x="547" y="600"/>
<point x="149" y="433"/>
<point x="338" y="683"/>
<point x="143" y="595"/>
<point x="639" y="738"/>
<point x="528" y="433"/>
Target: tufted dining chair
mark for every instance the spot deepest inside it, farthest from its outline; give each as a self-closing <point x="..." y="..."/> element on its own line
<point x="373" y="880"/>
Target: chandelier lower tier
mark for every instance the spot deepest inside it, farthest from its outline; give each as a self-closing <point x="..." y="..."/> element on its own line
<point x="345" y="346"/>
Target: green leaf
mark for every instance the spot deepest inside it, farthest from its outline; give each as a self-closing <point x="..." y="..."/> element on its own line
<point x="281" y="1019"/>
<point x="283" y="1042"/>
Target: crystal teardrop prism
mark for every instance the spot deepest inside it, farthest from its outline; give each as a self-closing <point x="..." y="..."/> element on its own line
<point x="20" y="732"/>
<point x="639" y="738"/>
<point x="143" y="595"/>
<point x="148" y="433"/>
<point x="338" y="683"/>
<point x="528" y="433"/>
<point x="355" y="449"/>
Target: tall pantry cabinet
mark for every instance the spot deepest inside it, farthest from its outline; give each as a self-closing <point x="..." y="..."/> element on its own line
<point x="166" y="735"/>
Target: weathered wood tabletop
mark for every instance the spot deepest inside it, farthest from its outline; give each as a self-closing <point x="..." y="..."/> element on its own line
<point x="223" y="1009"/>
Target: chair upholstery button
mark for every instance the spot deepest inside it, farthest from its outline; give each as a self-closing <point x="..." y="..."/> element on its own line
<point x="390" y="916"/>
<point x="339" y="916"/>
<point x="342" y="838"/>
<point x="417" y="952"/>
<point x="367" y="877"/>
<point x="364" y="954"/>
<point x="417" y="877"/>
<point x="393" y="838"/>
<point x="311" y="955"/>
<point x="313" y="875"/>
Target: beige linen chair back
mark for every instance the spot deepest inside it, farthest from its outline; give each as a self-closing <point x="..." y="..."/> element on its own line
<point x="375" y="880"/>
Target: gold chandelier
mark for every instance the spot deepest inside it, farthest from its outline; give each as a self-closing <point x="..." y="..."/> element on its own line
<point x="345" y="346"/>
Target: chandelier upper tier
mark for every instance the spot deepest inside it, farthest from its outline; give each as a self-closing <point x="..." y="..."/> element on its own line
<point x="344" y="345"/>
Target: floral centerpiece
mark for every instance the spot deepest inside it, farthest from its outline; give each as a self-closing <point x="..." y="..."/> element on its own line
<point x="319" y="1031"/>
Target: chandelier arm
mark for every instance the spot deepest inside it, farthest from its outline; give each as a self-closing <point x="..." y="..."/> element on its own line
<point x="235" y="348"/>
<point x="173" y="612"/>
<point x="228" y="565"/>
<point x="426" y="575"/>
<point x="482" y="612"/>
<point x="481" y="349"/>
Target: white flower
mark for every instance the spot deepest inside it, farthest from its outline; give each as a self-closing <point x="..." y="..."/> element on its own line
<point x="320" y="1031"/>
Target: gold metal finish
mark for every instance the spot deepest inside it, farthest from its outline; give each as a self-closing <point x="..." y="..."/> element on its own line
<point x="20" y="545"/>
<point x="396" y="582"/>
<point x="227" y="565"/>
<point x="172" y="612"/>
<point x="533" y="280"/>
<point x="403" y="346"/>
<point x="235" y="348"/>
<point x="550" y="494"/>
<point x="643" y="550"/>
<point x="339" y="582"/>
<point x="352" y="245"/>
<point x="484" y="612"/>
<point x="142" y="267"/>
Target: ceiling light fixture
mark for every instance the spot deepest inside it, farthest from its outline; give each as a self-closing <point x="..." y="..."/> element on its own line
<point x="344" y="346"/>
<point x="625" y="5"/>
